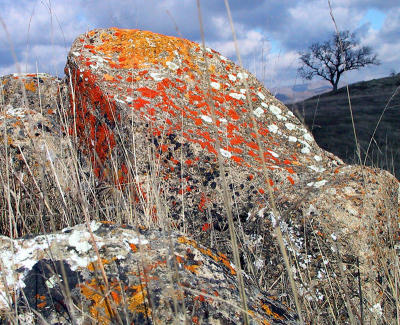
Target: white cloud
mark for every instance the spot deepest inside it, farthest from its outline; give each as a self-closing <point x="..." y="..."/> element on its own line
<point x="46" y="34"/>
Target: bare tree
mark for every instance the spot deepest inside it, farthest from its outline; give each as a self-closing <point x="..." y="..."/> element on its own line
<point x="331" y="59"/>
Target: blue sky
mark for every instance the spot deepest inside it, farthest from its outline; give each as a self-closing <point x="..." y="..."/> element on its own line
<point x="270" y="32"/>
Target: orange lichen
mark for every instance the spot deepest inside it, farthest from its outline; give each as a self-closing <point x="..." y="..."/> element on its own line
<point x="136" y="48"/>
<point x="95" y="265"/>
<point x="133" y="247"/>
<point x="217" y="258"/>
<point x="269" y="312"/>
<point x="94" y="135"/>
<point x="108" y="77"/>
<point x="30" y="86"/>
<point x="42" y="304"/>
<point x="137" y="300"/>
<point x="104" y="304"/>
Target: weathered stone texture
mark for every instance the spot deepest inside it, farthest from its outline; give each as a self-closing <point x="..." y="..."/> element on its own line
<point x="152" y="278"/>
<point x="140" y="110"/>
<point x="142" y="104"/>
<point x="35" y="157"/>
<point x="144" y="115"/>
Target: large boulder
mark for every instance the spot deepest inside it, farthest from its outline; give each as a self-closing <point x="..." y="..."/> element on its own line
<point x="141" y="107"/>
<point x="137" y="277"/>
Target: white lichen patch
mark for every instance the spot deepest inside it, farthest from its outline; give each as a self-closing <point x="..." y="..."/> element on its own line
<point x="76" y="261"/>
<point x="259" y="263"/>
<point x="305" y="150"/>
<point x="20" y="254"/>
<point x="225" y="153"/>
<point x="317" y="184"/>
<point x="290" y="126"/>
<point x="264" y="105"/>
<point x="273" y="128"/>
<point x="79" y="240"/>
<point x="118" y="100"/>
<point x="215" y="85"/>
<point x="137" y="241"/>
<point x="274" y="219"/>
<point x="172" y="65"/>
<point x="99" y="62"/>
<point x="258" y="111"/>
<point x="53" y="281"/>
<point x="331" y="191"/>
<point x="308" y="137"/>
<point x="237" y="96"/>
<point x="376" y="309"/>
<point x="243" y="91"/>
<point x="261" y="95"/>
<point x="129" y="99"/>
<point x="317" y="158"/>
<point x="316" y="168"/>
<point x="275" y="109"/>
<point x="348" y="190"/>
<point x="98" y="58"/>
<point x="274" y="154"/>
<point x="206" y="118"/>
<point x="232" y="77"/>
<point x="242" y="75"/>
<point x="156" y="76"/>
<point x="223" y="120"/>
<point x="16" y="111"/>
<point x="292" y="138"/>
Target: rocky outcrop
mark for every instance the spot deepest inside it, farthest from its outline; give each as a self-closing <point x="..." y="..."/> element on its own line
<point x="151" y="277"/>
<point x="151" y="116"/>
<point x="145" y="117"/>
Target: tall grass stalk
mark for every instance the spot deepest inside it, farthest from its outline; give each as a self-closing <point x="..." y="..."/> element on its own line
<point x="226" y="195"/>
<point x="266" y="176"/>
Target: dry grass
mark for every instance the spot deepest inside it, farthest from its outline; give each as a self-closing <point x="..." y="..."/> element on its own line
<point x="45" y="207"/>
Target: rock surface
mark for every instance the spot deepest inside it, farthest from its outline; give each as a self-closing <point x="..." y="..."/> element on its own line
<point x="140" y="112"/>
<point x="34" y="154"/>
<point x="144" y="115"/>
<point x="152" y="278"/>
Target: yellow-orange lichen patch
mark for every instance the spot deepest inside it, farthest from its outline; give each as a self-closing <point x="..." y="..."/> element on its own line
<point x="30" y="86"/>
<point x="104" y="303"/>
<point x="133" y="247"/>
<point x="137" y="300"/>
<point x="221" y="258"/>
<point x="95" y="265"/>
<point x="100" y="309"/>
<point x="269" y="312"/>
<point x="138" y="48"/>
<point x="190" y="267"/>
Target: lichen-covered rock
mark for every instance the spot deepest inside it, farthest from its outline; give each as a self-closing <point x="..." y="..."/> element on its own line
<point x="141" y="107"/>
<point x="151" y="278"/>
<point x="34" y="151"/>
<point x="142" y="112"/>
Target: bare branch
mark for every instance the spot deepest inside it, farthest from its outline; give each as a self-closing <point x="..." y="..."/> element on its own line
<point x="329" y="60"/>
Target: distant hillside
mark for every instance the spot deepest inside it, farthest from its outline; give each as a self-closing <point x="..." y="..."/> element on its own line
<point x="328" y="117"/>
<point x="291" y="94"/>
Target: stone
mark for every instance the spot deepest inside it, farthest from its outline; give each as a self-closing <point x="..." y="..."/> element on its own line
<point x="142" y="110"/>
<point x="35" y="155"/>
<point x="152" y="277"/>
<point x="143" y="114"/>
<point x="139" y="123"/>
